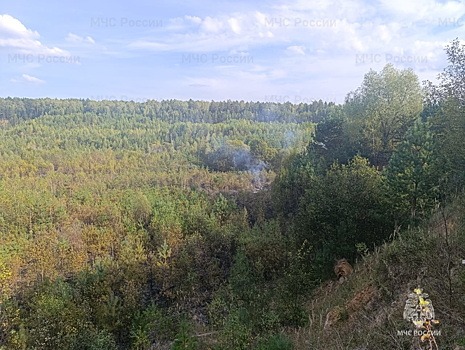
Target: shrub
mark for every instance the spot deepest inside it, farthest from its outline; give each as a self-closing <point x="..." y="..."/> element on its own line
<point x="275" y="342"/>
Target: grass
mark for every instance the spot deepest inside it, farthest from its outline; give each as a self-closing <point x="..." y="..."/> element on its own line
<point x="428" y="257"/>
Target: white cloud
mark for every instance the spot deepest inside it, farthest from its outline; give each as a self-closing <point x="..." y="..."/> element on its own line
<point x="235" y="25"/>
<point x="429" y="11"/>
<point x="14" y="35"/>
<point x="324" y="46"/>
<point x="26" y="78"/>
<point x="212" y="25"/>
<point x="296" y="50"/>
<point x="295" y="46"/>
<point x="194" y="19"/>
<point x="12" y="27"/>
<point x="149" y="45"/>
<point x="202" y="82"/>
<point x="74" y="38"/>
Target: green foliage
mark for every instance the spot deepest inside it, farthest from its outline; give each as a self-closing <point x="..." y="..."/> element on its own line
<point x="275" y="342"/>
<point x="291" y="184"/>
<point x="448" y="126"/>
<point x="164" y="253"/>
<point x="332" y="143"/>
<point x="235" y="335"/>
<point x="445" y="102"/>
<point x="119" y="221"/>
<point x="296" y="283"/>
<point x="184" y="339"/>
<point x="54" y="320"/>
<point x="5" y="276"/>
<point x="452" y="78"/>
<point x="242" y="280"/>
<point x="222" y="209"/>
<point x="242" y="309"/>
<point x="15" y="110"/>
<point x="138" y="208"/>
<point x="382" y="109"/>
<point x="411" y="177"/>
<point x="90" y="339"/>
<point x="150" y="325"/>
<point x="341" y="209"/>
<point x="13" y="334"/>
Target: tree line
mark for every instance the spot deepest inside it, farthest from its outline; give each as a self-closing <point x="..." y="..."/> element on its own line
<point x="193" y="225"/>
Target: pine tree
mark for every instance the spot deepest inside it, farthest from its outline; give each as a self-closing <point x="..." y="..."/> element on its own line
<point x="411" y="176"/>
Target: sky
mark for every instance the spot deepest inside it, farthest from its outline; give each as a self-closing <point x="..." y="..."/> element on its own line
<point x="270" y="50"/>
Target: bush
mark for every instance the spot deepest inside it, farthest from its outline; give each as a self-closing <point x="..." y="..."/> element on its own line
<point x="275" y="342"/>
<point x="184" y="339"/>
<point x="235" y="334"/>
<point x="150" y="325"/>
<point x="53" y="320"/>
<point x="95" y="340"/>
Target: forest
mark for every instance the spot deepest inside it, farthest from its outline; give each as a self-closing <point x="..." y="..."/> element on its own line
<point x="216" y="225"/>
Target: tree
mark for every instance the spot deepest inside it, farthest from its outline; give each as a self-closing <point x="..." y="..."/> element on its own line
<point x="332" y="143"/>
<point x="341" y="209"/>
<point x="382" y="110"/>
<point x="453" y="77"/>
<point x="411" y="177"/>
<point x="446" y="101"/>
<point x="261" y="150"/>
<point x="291" y="183"/>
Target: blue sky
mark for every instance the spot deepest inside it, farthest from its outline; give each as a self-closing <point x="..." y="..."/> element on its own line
<point x="272" y="50"/>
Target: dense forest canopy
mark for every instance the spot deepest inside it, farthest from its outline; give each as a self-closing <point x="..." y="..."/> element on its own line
<point x="207" y="225"/>
<point x="16" y="109"/>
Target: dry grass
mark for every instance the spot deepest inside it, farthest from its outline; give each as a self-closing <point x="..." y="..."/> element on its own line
<point x="367" y="309"/>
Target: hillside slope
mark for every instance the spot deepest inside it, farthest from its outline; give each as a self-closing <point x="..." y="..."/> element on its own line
<point x="366" y="312"/>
